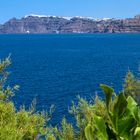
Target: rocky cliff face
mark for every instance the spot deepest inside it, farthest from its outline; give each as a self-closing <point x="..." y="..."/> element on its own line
<point x="51" y="24"/>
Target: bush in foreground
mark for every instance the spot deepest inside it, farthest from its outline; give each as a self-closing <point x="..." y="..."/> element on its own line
<point x="115" y="118"/>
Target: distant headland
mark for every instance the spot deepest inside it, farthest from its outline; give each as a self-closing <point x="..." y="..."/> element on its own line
<point x="55" y="24"/>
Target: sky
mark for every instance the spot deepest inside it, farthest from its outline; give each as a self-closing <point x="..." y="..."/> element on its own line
<point x="87" y="8"/>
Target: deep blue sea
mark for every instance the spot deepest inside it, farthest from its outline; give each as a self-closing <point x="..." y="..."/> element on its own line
<point x="54" y="69"/>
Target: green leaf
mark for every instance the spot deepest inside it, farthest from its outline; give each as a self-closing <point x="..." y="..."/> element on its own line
<point x="108" y="93"/>
<point x="101" y="127"/>
<point x="131" y="106"/>
<point x="137" y="131"/>
<point x="89" y="132"/>
<point x="120" y="105"/>
<point x="125" y="125"/>
<point x="131" y="102"/>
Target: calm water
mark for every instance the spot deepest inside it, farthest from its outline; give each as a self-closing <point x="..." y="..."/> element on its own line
<point x="54" y="69"/>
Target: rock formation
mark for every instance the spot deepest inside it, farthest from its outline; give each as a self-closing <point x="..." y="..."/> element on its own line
<point x="54" y="24"/>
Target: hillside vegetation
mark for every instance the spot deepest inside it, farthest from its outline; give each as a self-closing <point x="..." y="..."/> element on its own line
<point x="115" y="118"/>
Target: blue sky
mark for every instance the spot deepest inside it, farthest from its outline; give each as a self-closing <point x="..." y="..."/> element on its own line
<point x="94" y="8"/>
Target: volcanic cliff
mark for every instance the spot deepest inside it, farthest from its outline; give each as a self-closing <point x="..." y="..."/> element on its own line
<point x="54" y="24"/>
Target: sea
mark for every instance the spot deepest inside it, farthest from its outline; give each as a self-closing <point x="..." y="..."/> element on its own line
<point x="56" y="68"/>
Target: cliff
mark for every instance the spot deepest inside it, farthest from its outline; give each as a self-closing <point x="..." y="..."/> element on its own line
<point x="54" y="24"/>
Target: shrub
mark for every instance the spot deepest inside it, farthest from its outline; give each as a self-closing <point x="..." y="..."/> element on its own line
<point x="115" y="118"/>
<point x="132" y="86"/>
<point x="16" y="125"/>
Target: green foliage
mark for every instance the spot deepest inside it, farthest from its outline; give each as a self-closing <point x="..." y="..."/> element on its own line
<point x="16" y="125"/>
<point x="89" y="132"/>
<point x="83" y="113"/>
<point x="5" y="92"/>
<point x="65" y="132"/>
<point x="19" y="124"/>
<point x="132" y="86"/>
<point x="96" y="129"/>
<point x="123" y="120"/>
<point x="115" y="118"/>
